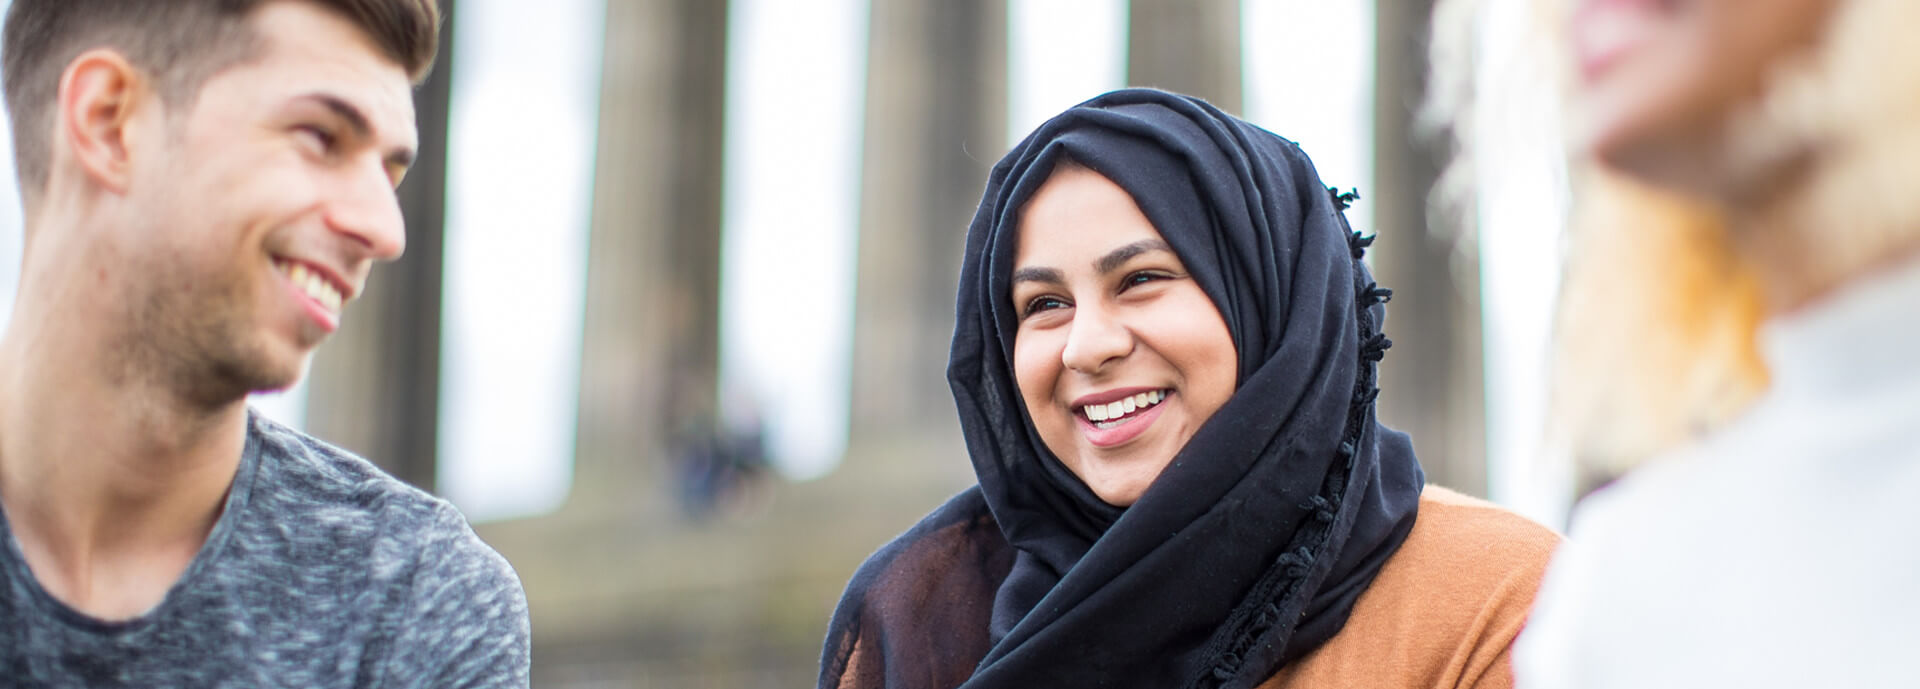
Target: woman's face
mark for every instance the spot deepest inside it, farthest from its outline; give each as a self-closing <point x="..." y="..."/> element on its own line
<point x="1119" y="356"/>
<point x="1659" y="79"/>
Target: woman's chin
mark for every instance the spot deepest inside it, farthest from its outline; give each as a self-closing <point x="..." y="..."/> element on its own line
<point x="1120" y="496"/>
<point x="1122" y="485"/>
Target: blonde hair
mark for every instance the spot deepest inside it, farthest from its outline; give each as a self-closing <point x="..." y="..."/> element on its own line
<point x="1656" y="333"/>
<point x="1854" y="102"/>
<point x="1661" y="306"/>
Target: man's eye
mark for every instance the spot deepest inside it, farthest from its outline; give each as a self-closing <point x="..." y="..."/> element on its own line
<point x="321" y="139"/>
<point x="1038" y="304"/>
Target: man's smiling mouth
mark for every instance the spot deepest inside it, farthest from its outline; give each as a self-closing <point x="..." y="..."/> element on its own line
<point x="311" y="283"/>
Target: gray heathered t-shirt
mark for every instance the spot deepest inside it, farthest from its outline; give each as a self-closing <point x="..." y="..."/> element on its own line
<point x="321" y="572"/>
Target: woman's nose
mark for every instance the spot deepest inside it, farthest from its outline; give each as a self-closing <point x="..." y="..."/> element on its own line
<point x="1095" y="339"/>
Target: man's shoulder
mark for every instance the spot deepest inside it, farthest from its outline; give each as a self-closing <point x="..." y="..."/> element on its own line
<point x="298" y="473"/>
<point x="328" y="526"/>
<point x="318" y="467"/>
<point x="337" y="503"/>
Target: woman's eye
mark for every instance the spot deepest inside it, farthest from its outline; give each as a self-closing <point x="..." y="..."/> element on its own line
<point x="1141" y="278"/>
<point x="1038" y="304"/>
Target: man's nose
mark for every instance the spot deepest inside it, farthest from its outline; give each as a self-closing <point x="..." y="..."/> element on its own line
<point x="367" y="210"/>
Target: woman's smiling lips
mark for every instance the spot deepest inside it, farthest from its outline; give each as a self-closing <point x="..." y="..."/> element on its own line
<point x="1607" y="31"/>
<point x="1114" y="417"/>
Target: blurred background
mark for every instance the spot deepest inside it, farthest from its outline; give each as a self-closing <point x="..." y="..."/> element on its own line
<point x="673" y="319"/>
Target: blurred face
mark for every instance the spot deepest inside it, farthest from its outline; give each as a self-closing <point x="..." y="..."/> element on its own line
<point x="1660" y="78"/>
<point x="262" y="206"/>
<point x="1119" y="356"/>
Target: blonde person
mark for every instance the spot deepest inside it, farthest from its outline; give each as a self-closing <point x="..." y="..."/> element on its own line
<point x="1769" y="539"/>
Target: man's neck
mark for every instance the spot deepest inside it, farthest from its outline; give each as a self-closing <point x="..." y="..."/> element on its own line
<point x="110" y="481"/>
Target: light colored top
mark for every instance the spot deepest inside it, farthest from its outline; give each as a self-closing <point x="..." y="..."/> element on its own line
<point x="1783" y="551"/>
<point x="1444" y="610"/>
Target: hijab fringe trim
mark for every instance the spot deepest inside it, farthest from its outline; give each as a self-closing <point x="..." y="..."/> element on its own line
<point x="1282" y="580"/>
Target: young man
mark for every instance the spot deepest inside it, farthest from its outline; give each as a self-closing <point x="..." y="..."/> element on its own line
<point x="206" y="185"/>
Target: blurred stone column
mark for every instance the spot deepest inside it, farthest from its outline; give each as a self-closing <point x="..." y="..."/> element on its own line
<point x="935" y="123"/>
<point x="1188" y="46"/>
<point x="650" y="353"/>
<point x="1432" y="383"/>
<point x="376" y="383"/>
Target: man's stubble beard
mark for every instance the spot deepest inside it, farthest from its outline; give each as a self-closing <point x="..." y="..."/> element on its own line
<point x="197" y="336"/>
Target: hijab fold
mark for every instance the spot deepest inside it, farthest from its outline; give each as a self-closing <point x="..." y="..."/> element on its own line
<point x="1250" y="549"/>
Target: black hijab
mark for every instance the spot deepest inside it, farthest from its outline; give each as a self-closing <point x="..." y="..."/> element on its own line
<point x="1251" y="547"/>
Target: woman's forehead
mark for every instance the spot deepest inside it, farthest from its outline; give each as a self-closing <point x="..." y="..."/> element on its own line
<point x="1079" y="216"/>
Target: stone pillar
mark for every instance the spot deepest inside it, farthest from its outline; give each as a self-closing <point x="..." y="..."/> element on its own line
<point x="628" y="591"/>
<point x="1188" y="46"/>
<point x="376" y="383"/>
<point x="1432" y="382"/>
<point x="651" y="349"/>
<point x="935" y="123"/>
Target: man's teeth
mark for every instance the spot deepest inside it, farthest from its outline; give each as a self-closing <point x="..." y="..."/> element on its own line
<point x="1123" y="406"/>
<point x="310" y="282"/>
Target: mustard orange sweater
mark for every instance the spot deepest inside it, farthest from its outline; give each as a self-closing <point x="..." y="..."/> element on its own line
<point x="1444" y="610"/>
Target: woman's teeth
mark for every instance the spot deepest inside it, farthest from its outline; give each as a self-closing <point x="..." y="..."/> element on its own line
<point x="1112" y="411"/>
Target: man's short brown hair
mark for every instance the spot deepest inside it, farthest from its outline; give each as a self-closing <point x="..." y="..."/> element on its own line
<point x="178" y="43"/>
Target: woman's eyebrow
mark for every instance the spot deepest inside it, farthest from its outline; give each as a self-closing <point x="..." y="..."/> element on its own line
<point x="1107" y="264"/>
<point x="1118" y="257"/>
<point x="1033" y="274"/>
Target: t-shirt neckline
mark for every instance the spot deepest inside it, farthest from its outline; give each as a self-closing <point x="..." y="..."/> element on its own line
<point x="238" y="494"/>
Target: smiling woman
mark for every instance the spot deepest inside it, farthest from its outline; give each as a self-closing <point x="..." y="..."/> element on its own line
<point x="1164" y="366"/>
<point x="1119" y="354"/>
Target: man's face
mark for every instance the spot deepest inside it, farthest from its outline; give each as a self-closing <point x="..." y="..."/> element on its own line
<point x="263" y="204"/>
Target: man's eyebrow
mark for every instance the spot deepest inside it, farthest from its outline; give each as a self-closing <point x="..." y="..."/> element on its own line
<point x="1118" y="257"/>
<point x="361" y="126"/>
<point x="1038" y="275"/>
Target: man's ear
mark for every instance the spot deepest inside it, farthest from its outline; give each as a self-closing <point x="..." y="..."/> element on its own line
<point x="99" y="93"/>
